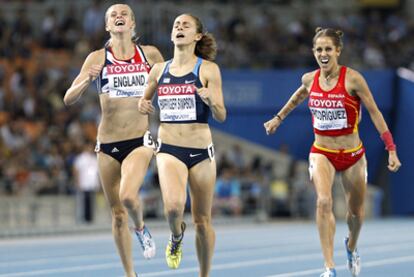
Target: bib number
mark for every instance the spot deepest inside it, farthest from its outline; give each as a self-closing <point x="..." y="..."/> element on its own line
<point x="150" y="142"/>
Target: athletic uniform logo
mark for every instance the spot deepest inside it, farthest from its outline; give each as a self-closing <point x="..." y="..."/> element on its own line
<point x="353" y="154"/>
<point x="114" y="150"/>
<point x="194" y="155"/>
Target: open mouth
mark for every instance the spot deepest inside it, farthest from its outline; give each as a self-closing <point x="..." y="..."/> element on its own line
<point x="119" y="23"/>
<point x="179" y="35"/>
<point x="324" y="60"/>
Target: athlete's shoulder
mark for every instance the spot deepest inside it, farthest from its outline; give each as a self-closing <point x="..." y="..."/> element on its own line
<point x="308" y="77"/>
<point x="353" y="75"/>
<point x="207" y="62"/>
<point x="354" y="80"/>
<point x="209" y="65"/>
<point x="152" y="53"/>
<point x="209" y="70"/>
<point x="158" y="68"/>
<point x="97" y="55"/>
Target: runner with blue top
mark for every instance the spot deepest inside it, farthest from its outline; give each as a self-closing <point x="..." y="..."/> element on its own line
<point x="189" y="89"/>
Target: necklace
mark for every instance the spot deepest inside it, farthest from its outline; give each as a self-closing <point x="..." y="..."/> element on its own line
<point x="331" y="76"/>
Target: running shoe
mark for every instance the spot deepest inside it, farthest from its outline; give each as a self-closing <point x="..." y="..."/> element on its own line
<point x="329" y="272"/>
<point x="147" y="242"/>
<point x="173" y="252"/>
<point x="353" y="259"/>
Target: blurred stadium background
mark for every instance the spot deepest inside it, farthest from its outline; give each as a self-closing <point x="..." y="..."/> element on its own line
<point x="264" y="47"/>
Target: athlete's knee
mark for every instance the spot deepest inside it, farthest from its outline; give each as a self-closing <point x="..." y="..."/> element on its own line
<point x="119" y="217"/>
<point x="324" y="204"/>
<point x="174" y="211"/>
<point x="202" y="224"/>
<point x="129" y="201"/>
<point x="356" y="214"/>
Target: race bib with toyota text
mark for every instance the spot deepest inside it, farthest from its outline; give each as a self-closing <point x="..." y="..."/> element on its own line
<point x="126" y="80"/>
<point x="177" y="102"/>
<point x="328" y="114"/>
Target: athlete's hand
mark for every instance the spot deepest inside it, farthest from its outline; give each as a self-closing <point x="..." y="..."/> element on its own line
<point x="145" y="106"/>
<point x="205" y="95"/>
<point x="94" y="71"/>
<point x="393" y="162"/>
<point x="272" y="125"/>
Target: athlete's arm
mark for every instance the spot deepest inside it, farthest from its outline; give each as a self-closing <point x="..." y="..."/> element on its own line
<point x="358" y="85"/>
<point x="145" y="103"/>
<point x="212" y="93"/>
<point x="90" y="70"/>
<point x="298" y="97"/>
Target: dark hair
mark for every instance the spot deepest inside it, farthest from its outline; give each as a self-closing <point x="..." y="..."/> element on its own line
<point x="206" y="47"/>
<point x="335" y="35"/>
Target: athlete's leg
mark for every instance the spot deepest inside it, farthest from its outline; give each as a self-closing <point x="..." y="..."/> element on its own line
<point x="323" y="174"/>
<point x="202" y="181"/>
<point x="354" y="184"/>
<point x="173" y="175"/>
<point x="133" y="170"/>
<point x="109" y="171"/>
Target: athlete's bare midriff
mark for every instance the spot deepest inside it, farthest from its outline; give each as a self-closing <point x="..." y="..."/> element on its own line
<point x="338" y="142"/>
<point x="120" y="119"/>
<point x="194" y="135"/>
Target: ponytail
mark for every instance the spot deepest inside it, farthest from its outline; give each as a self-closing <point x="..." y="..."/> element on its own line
<point x="206" y="47"/>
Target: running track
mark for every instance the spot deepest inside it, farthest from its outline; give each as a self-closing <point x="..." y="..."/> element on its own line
<point x="277" y="249"/>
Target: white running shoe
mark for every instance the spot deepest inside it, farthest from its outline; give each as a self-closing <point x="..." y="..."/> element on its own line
<point x="329" y="272"/>
<point x="353" y="259"/>
<point x="147" y="243"/>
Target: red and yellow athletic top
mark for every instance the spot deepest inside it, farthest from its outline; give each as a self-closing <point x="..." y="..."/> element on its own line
<point x="334" y="112"/>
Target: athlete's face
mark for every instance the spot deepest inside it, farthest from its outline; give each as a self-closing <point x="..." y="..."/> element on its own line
<point x="326" y="53"/>
<point x="185" y="31"/>
<point x="119" y="19"/>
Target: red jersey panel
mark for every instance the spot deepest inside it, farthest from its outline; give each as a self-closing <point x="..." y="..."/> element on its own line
<point x="334" y="112"/>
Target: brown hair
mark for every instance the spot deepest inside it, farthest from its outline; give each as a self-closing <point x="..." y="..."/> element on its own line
<point x="206" y="47"/>
<point x="335" y="35"/>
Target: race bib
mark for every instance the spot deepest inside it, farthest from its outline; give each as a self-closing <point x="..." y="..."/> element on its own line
<point x="177" y="102"/>
<point x="127" y="80"/>
<point x="329" y="119"/>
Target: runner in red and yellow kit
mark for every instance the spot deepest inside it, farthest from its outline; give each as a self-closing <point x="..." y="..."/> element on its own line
<point x="335" y="93"/>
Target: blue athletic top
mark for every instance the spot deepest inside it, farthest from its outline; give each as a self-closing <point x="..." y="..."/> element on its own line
<point x="178" y="100"/>
<point x="124" y="78"/>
